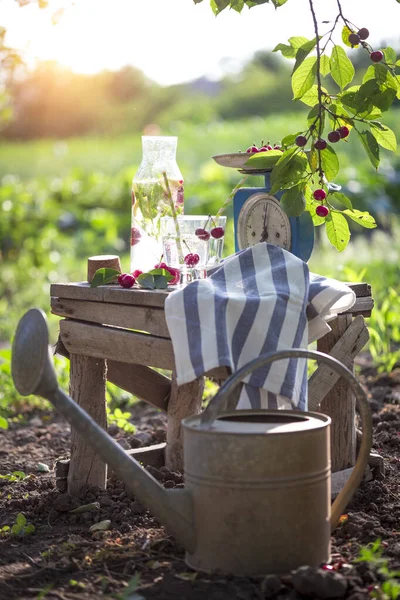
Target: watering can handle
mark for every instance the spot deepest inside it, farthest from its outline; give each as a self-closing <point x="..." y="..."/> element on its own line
<point x="213" y="409"/>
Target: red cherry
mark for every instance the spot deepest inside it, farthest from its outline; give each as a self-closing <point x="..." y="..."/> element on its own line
<point x="376" y="56"/>
<point x="301" y="141"/>
<point x="363" y="34"/>
<point x="334" y="136"/>
<point x="343" y="131"/>
<point x="126" y="280"/>
<point x="320" y="144"/>
<point x="136" y="273"/>
<point x="354" y="39"/>
<point x="252" y="149"/>
<point x="320" y="194"/>
<point x="322" y="211"/>
<point x="278" y="148"/>
<point x="191" y="260"/>
<point x="327" y="567"/>
<point x="217" y="232"/>
<point x="202" y="234"/>
<point x="135" y="236"/>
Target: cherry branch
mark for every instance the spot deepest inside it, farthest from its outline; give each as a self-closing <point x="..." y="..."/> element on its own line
<point x="319" y="87"/>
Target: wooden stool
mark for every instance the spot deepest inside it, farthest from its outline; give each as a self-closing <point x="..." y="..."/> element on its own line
<point x="120" y="334"/>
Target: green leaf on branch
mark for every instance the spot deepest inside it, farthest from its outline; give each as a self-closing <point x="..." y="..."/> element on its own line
<point x="325" y="65"/>
<point x="291" y="51"/>
<point x="329" y="162"/>
<point x="251" y="3"/>
<point x="362" y="218"/>
<point x="103" y="276"/>
<point x="297" y="41"/>
<point x="384" y="100"/>
<point x="388" y="85"/>
<point x="289" y="140"/>
<point x="312" y="157"/>
<point x="342" y="69"/>
<point x="219" y="5"/>
<point x="385" y="137"/>
<point x="264" y="160"/>
<point x="287" y="51"/>
<point x="337" y="230"/>
<point x="390" y="56"/>
<point x="339" y="197"/>
<point x="303" y="78"/>
<point x="3" y="423"/>
<point x="371" y="146"/>
<point x="303" y="52"/>
<point x="237" y="5"/>
<point x="375" y="113"/>
<point x="382" y="75"/>
<point x="278" y="3"/>
<point x="289" y="171"/>
<point x="345" y="37"/>
<point x="349" y="97"/>
<point x="311" y="96"/>
<point x="293" y="201"/>
<point x="337" y="111"/>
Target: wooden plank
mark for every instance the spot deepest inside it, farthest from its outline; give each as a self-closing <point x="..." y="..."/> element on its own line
<point x="219" y="373"/>
<point x="185" y="401"/>
<point x="142" y="318"/>
<point x="150" y="455"/>
<point x="141" y="381"/>
<point x="88" y="389"/>
<point x="339" y="404"/>
<point x="361" y="306"/>
<point x="346" y="349"/>
<point x="360" y="289"/>
<point x="120" y="345"/>
<point x="110" y="293"/>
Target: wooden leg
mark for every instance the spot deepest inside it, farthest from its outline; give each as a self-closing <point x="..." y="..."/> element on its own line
<point x="185" y="401"/>
<point x="339" y="404"/>
<point x="88" y="389"/>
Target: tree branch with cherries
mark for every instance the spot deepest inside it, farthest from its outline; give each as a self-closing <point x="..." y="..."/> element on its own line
<point x="306" y="165"/>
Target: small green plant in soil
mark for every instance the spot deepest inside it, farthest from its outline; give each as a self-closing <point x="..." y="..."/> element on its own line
<point x="20" y="528"/>
<point x="14" y="476"/>
<point x="389" y="589"/>
<point x="120" y="419"/>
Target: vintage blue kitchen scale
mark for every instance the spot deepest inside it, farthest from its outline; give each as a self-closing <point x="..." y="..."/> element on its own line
<point x="259" y="217"/>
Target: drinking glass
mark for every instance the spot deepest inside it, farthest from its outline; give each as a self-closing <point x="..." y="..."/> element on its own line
<point x="192" y="243"/>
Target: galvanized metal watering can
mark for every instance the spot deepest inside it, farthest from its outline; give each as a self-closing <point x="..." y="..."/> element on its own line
<point x="257" y="483"/>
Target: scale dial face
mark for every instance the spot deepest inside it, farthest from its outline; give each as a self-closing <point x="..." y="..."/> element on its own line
<point x="262" y="219"/>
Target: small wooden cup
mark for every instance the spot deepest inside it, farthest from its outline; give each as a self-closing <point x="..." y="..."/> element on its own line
<point x="108" y="261"/>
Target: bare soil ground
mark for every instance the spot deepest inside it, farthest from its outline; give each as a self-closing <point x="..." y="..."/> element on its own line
<point x="137" y="559"/>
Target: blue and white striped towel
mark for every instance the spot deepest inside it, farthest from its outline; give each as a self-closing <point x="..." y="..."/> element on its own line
<point x="259" y="300"/>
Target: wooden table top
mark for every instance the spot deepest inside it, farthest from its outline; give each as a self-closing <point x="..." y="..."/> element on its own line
<point x="115" y="294"/>
<point x="110" y="293"/>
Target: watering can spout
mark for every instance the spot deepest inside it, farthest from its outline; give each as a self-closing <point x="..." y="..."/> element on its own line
<point x="33" y="373"/>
